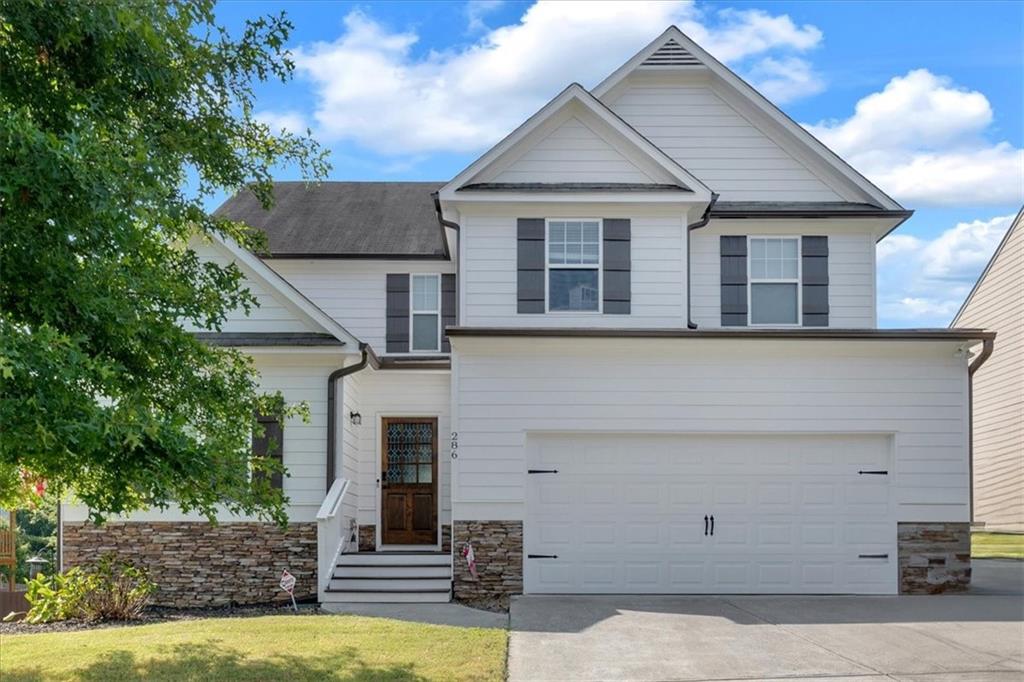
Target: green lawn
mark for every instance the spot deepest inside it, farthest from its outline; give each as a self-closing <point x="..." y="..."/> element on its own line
<point x="263" y="648"/>
<point x="997" y="546"/>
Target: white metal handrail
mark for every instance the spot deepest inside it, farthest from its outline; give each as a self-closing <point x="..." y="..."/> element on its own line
<point x="332" y="533"/>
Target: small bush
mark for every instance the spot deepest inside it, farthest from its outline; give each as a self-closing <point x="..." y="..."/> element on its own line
<point x="109" y="591"/>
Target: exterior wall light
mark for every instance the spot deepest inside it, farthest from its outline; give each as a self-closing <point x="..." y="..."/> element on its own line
<point x="355" y="418"/>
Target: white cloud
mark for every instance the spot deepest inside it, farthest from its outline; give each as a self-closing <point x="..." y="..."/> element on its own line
<point x="373" y="88"/>
<point x="925" y="281"/>
<point x="786" y="79"/>
<point x="923" y="140"/>
<point x="288" y="121"/>
<point x="476" y="11"/>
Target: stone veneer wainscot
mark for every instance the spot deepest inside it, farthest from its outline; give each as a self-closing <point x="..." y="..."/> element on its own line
<point x="934" y="557"/>
<point x="498" y="547"/>
<point x="196" y="564"/>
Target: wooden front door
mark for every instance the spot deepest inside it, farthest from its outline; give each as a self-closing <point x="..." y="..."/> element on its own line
<point x="409" y="481"/>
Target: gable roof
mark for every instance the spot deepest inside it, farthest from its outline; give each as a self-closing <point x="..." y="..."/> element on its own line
<point x="577" y="95"/>
<point x="318" y="321"/>
<point x="675" y="50"/>
<point x="345" y="220"/>
<point x="1015" y="225"/>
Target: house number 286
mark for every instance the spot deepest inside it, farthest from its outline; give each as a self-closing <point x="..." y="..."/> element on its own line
<point x="455" y="444"/>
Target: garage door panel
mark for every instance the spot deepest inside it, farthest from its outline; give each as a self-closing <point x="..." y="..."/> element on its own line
<point x="626" y="514"/>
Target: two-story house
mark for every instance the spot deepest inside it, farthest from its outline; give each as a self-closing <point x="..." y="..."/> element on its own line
<point x="631" y="349"/>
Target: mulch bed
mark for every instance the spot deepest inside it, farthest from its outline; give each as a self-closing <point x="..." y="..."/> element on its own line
<point x="158" y="614"/>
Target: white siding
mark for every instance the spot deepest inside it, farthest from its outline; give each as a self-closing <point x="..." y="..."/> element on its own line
<point x="299" y="377"/>
<point x="507" y="388"/>
<point x="392" y="393"/>
<point x="573" y="153"/>
<point x="851" y="268"/>
<point x="350" y="390"/>
<point x="353" y="292"/>
<point x="658" y="267"/>
<point x="998" y="304"/>
<point x="707" y="136"/>
<point x="273" y="314"/>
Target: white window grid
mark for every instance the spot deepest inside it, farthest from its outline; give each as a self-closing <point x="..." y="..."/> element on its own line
<point x="413" y="311"/>
<point x="549" y="266"/>
<point x="751" y="280"/>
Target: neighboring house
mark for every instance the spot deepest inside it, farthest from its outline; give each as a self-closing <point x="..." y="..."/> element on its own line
<point x="631" y="349"/>
<point x="997" y="302"/>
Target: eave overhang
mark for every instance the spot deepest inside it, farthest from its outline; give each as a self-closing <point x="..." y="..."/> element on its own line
<point x="941" y="334"/>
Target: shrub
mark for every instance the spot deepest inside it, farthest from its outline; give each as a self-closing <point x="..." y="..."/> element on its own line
<point x="109" y="591"/>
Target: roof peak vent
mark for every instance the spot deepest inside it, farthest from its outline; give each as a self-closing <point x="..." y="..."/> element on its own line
<point x="671" y="53"/>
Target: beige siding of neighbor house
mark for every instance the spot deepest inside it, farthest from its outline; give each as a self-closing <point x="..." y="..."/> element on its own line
<point x="997" y="303"/>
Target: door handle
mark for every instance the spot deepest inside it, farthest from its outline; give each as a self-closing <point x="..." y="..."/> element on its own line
<point x="712" y="524"/>
<point x="705" y="524"/>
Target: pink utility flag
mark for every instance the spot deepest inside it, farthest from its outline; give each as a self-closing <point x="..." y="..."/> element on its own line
<point x="467" y="553"/>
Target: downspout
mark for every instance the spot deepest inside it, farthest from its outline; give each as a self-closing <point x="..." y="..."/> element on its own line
<point x="704" y="220"/>
<point x="332" y="417"/>
<point x="987" y="345"/>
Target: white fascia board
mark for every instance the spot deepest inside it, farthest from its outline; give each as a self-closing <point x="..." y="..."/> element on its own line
<point x="301" y="305"/>
<point x="759" y="101"/>
<point x="683" y="199"/>
<point x="578" y="94"/>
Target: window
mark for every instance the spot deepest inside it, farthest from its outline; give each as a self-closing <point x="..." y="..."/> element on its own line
<point x="426" y="313"/>
<point x="774" y="264"/>
<point x="574" y="265"/>
<point x="268" y="444"/>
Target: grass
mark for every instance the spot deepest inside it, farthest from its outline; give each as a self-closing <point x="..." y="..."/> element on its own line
<point x="997" y="546"/>
<point x="263" y="648"/>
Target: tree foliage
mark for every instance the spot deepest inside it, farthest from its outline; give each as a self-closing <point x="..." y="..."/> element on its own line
<point x="117" y="122"/>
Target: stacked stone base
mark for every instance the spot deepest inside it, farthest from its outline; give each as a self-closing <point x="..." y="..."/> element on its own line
<point x="498" y="547"/>
<point x="367" y="538"/>
<point x="198" y="564"/>
<point x="934" y="558"/>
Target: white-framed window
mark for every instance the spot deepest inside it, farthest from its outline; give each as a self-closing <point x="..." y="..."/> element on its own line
<point x="773" y="270"/>
<point x="573" y="258"/>
<point x="425" y="313"/>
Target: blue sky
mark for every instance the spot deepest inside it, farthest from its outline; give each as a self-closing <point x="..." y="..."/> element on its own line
<point x="926" y="99"/>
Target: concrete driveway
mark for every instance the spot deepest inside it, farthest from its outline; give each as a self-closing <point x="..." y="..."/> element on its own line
<point x="973" y="637"/>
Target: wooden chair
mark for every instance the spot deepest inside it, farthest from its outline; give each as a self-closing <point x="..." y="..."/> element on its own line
<point x="8" y="550"/>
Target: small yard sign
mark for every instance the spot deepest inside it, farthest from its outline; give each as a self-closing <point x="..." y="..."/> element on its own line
<point x="288" y="585"/>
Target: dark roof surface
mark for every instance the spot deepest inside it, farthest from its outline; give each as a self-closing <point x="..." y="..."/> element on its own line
<point x="345" y="219"/>
<point x="571" y="187"/>
<point x="808" y="208"/>
<point x="267" y="339"/>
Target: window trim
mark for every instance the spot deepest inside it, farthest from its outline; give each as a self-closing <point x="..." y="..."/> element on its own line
<point x="413" y="312"/>
<point x="599" y="267"/>
<point x="798" y="281"/>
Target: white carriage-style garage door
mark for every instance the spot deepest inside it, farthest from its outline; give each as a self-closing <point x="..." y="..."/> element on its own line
<point x="663" y="514"/>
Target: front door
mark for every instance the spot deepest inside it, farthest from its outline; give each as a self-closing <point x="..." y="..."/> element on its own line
<point x="409" y="481"/>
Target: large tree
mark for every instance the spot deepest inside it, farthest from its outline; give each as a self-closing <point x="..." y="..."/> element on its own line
<point x="118" y="120"/>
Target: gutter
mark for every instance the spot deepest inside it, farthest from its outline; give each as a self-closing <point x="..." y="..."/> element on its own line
<point x="443" y="223"/>
<point x="704" y="220"/>
<point x="987" y="346"/>
<point x="332" y="417"/>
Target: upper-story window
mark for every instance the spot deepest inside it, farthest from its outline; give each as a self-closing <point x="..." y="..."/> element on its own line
<point x="425" y="320"/>
<point x="574" y="265"/>
<point x="774" y="264"/>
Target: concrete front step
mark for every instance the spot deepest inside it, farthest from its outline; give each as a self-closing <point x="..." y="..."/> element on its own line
<point x="393" y="571"/>
<point x="390" y="583"/>
<point x="395" y="559"/>
<point x="335" y="596"/>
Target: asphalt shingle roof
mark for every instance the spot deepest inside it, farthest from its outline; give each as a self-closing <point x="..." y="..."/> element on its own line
<point x="352" y="219"/>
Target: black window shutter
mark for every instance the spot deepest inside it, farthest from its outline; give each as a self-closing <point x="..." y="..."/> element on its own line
<point x="734" y="280"/>
<point x="449" y="308"/>
<point x="814" y="266"/>
<point x="270" y="444"/>
<point x="397" y="333"/>
<point x="530" y="248"/>
<point x="617" y="265"/>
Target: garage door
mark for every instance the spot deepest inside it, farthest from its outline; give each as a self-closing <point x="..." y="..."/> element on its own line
<point x="646" y="513"/>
